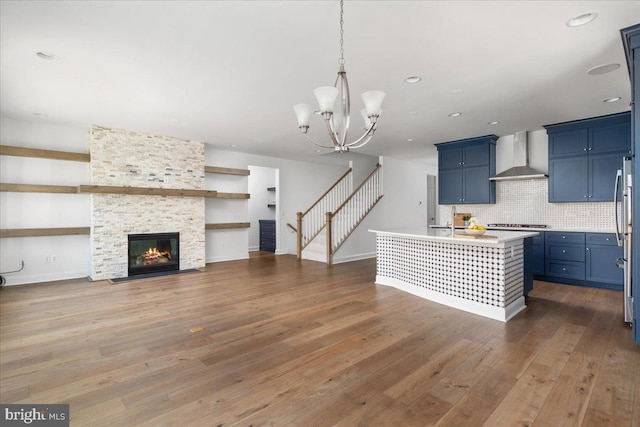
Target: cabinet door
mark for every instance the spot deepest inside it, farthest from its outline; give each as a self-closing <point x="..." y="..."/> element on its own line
<point x="601" y="265"/>
<point x="450" y="186"/>
<point x="475" y="155"/>
<point x="476" y="184"/>
<point x="450" y="158"/>
<point x="569" y="143"/>
<point x="568" y="179"/>
<point x="538" y="259"/>
<point x="606" y="139"/>
<point x="602" y="176"/>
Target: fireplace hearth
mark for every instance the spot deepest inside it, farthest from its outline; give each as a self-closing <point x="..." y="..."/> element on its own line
<point x="154" y="252"/>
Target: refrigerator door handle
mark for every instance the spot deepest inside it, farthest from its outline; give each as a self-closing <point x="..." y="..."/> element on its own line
<point x="615" y="204"/>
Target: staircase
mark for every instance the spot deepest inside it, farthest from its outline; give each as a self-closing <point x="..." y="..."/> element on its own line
<point x="327" y="224"/>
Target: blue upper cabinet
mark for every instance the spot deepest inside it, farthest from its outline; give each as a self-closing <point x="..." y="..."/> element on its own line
<point x="585" y="155"/>
<point x="464" y="169"/>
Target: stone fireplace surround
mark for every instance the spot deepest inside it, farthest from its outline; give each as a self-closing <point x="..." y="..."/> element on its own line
<point x="125" y="158"/>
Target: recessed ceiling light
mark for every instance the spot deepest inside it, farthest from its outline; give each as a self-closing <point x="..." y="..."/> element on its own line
<point x="583" y="19"/>
<point x="495" y="122"/>
<point x="602" y="69"/>
<point x="457" y="91"/>
<point x="40" y="115"/>
<point x="409" y="139"/>
<point x="412" y="113"/>
<point x="412" y="79"/>
<point x="614" y="99"/>
<point x="233" y="145"/>
<point x="456" y="114"/>
<point x="47" y="56"/>
<point x="318" y="151"/>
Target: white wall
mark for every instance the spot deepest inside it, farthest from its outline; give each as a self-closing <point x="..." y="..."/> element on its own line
<point x="40" y="210"/>
<point x="299" y="185"/>
<point x="260" y="179"/>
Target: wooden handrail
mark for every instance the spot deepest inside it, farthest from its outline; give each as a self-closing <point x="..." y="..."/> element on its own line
<point x="292" y="227"/>
<point x="378" y="166"/>
<point x="327" y="192"/>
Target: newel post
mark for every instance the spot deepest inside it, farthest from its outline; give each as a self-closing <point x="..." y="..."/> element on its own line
<point x="328" y="229"/>
<point x="299" y="233"/>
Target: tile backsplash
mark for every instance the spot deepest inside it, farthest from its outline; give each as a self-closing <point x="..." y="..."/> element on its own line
<point x="526" y="202"/>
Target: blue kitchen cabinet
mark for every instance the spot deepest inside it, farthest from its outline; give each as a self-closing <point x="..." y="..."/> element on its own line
<point x="631" y="43"/>
<point x="568" y="143"/>
<point x="449" y="186"/>
<point x="568" y="179"/>
<point x="537" y="253"/>
<point x="584" y="156"/>
<point x="564" y="255"/>
<point x="602" y="252"/>
<point x="602" y="175"/>
<point x="464" y="169"/>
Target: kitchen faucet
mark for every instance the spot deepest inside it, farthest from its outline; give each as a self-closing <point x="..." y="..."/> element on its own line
<point x="453" y="221"/>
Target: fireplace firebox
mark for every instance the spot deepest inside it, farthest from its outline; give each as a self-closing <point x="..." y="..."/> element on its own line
<point x="152" y="253"/>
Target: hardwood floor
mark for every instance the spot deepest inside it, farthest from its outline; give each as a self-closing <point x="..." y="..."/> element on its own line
<point x="286" y="343"/>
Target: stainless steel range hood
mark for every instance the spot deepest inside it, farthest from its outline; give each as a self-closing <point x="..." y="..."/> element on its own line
<point x="520" y="169"/>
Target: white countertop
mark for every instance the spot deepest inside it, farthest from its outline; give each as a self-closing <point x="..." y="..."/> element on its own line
<point x="444" y="235"/>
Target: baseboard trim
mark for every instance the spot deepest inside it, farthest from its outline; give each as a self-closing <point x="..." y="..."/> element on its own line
<point x="356" y="257"/>
<point x="44" y="278"/>
<point x="229" y="258"/>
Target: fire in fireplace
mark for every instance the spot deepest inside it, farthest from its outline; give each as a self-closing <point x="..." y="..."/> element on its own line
<point x="151" y="253"/>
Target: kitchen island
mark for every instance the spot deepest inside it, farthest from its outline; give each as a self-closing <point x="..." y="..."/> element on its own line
<point x="481" y="275"/>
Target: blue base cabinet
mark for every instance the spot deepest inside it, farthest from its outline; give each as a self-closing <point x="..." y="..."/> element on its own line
<point x="267" y="235"/>
<point x="464" y="169"/>
<point x="583" y="259"/>
<point x="602" y="252"/>
<point x="585" y="155"/>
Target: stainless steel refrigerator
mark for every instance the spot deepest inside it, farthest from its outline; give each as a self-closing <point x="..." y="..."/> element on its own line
<point x="623" y="213"/>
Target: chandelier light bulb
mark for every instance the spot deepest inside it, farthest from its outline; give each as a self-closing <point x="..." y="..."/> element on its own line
<point x="326" y="96"/>
<point x="373" y="102"/>
<point x="303" y="114"/>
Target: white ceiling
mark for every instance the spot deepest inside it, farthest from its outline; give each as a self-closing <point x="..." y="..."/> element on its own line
<point x="228" y="72"/>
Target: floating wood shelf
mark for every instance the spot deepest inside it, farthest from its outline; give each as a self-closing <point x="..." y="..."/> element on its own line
<point x="31" y="188"/>
<point x="232" y="196"/>
<point x="32" y="232"/>
<point x="8" y="150"/>
<point x="143" y="191"/>
<point x="226" y="171"/>
<point x="227" y="225"/>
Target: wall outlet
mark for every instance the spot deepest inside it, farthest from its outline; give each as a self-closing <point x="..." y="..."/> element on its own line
<point x="54" y="258"/>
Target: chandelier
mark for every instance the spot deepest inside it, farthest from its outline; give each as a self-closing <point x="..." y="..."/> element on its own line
<point x="337" y="96"/>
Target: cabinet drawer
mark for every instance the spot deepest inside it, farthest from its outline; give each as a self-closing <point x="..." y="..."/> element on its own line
<point x="566" y="269"/>
<point x="269" y="234"/>
<point x="564" y="251"/>
<point x="608" y="239"/>
<point x="558" y="236"/>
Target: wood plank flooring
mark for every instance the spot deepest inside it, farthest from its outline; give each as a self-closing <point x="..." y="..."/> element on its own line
<point x="296" y="343"/>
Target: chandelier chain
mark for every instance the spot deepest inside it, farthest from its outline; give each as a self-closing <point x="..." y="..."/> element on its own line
<point x="341" y="60"/>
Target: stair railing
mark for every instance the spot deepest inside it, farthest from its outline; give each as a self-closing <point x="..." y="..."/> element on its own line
<point x="311" y="222"/>
<point x="343" y="220"/>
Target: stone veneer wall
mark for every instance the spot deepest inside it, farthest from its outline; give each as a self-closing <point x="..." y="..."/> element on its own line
<point x="125" y="158"/>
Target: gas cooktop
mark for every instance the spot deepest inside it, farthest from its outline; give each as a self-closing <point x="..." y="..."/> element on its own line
<point x="518" y="225"/>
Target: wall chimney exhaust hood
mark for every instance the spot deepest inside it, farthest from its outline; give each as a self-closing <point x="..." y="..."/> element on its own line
<point x="520" y="169"/>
